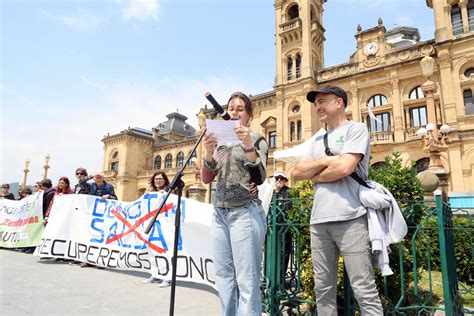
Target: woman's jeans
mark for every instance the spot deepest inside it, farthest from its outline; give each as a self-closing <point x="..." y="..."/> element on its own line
<point x="238" y="235"/>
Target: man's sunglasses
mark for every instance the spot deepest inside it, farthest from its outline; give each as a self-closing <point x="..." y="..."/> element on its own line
<point x="280" y="178"/>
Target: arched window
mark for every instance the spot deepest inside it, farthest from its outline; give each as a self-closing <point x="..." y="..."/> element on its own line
<point x="272" y="143"/>
<point x="293" y="12"/>
<point x="292" y="131"/>
<point x="380" y="124"/>
<point x="422" y="164"/>
<point x="299" y="130"/>
<point x="416" y="93"/>
<point x="418" y="116"/>
<point x="377" y="100"/>
<point x="114" y="161"/>
<point x="193" y="159"/>
<point x="298" y="66"/>
<point x="289" y="66"/>
<point x="169" y="161"/>
<point x="157" y="163"/>
<point x="114" y="166"/>
<point x="469" y="71"/>
<point x="468" y="102"/>
<point x="296" y="109"/>
<point x="470" y="15"/>
<point x="456" y="20"/>
<point x="180" y="159"/>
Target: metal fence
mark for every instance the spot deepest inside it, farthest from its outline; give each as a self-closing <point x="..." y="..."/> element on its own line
<point x="433" y="266"/>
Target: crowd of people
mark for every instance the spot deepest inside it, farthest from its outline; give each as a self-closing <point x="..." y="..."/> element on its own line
<point x="338" y="219"/>
<point x="93" y="184"/>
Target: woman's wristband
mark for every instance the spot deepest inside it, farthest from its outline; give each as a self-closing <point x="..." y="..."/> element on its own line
<point x="250" y="149"/>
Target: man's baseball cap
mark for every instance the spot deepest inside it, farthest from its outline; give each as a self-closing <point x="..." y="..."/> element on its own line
<point x="311" y="96"/>
<point x="280" y="173"/>
<point x="98" y="173"/>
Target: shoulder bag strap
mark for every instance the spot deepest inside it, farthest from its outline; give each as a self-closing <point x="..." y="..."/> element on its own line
<point x="354" y="175"/>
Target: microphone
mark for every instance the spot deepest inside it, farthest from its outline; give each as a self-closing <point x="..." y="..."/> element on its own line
<point x="217" y="107"/>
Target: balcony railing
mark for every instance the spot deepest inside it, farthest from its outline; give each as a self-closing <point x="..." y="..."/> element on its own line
<point x="168" y="171"/>
<point x="381" y="137"/>
<point x="291" y="25"/>
<point x="110" y="174"/>
<point x="410" y="133"/>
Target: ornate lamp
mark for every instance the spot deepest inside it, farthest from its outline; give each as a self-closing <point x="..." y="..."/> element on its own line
<point x="26" y="170"/>
<point x="431" y="142"/>
<point x="46" y="166"/>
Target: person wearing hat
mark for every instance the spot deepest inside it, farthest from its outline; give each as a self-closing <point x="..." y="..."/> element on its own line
<point x="338" y="223"/>
<point x="82" y="186"/>
<point x="6" y="194"/>
<point x="283" y="196"/>
<point x="101" y="188"/>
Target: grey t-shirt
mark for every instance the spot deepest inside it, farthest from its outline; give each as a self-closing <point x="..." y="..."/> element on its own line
<point x="339" y="200"/>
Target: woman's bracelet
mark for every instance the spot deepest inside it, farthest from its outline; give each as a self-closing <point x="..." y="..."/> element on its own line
<point x="250" y="149"/>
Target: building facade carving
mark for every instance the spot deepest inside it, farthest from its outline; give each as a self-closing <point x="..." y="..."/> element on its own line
<point x="382" y="75"/>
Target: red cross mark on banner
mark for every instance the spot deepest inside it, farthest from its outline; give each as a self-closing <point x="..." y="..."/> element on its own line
<point x="132" y="228"/>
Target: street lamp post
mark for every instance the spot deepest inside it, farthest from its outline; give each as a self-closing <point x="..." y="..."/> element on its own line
<point x="431" y="142"/>
<point x="26" y="170"/>
<point x="46" y="166"/>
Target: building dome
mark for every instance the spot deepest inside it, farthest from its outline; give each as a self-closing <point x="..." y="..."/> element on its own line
<point x="176" y="124"/>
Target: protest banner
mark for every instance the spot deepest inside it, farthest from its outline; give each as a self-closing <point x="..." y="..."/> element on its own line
<point x="111" y="234"/>
<point x="21" y="222"/>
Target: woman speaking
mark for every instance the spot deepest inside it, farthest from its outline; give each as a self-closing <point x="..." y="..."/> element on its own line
<point x="239" y="224"/>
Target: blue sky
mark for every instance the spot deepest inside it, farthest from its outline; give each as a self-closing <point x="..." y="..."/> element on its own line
<point x="73" y="71"/>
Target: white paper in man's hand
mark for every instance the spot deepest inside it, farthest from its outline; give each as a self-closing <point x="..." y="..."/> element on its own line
<point x="223" y="131"/>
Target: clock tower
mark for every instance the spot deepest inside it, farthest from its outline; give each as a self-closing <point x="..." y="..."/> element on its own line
<point x="371" y="45"/>
<point x="299" y="57"/>
<point x="299" y="40"/>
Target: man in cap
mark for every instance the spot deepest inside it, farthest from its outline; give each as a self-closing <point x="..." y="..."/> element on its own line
<point x="338" y="219"/>
<point x="282" y="192"/>
<point x="101" y="188"/>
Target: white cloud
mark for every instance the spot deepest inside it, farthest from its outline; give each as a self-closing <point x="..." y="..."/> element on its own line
<point x="404" y="20"/>
<point x="71" y="131"/>
<point x="83" y="21"/>
<point x="141" y="10"/>
<point x="92" y="84"/>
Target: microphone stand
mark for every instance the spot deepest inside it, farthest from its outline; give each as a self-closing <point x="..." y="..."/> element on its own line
<point x="179" y="185"/>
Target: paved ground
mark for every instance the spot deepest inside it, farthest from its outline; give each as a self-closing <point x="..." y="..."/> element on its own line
<point x="29" y="286"/>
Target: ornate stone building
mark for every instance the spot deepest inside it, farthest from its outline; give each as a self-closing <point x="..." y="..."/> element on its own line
<point x="383" y="78"/>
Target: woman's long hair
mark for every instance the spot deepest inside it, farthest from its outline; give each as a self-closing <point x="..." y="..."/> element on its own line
<point x="247" y="102"/>
<point x="165" y="177"/>
<point x="66" y="190"/>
